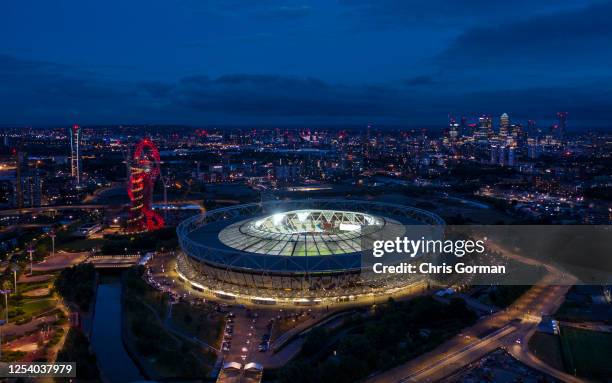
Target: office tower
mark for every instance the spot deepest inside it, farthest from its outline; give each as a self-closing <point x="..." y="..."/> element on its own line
<point x="562" y="117"/>
<point x="518" y="134"/>
<point x="36" y="189"/>
<point x="504" y="125"/>
<point x="485" y="129"/>
<point x="75" y="154"/>
<point x="511" y="156"/>
<point x="463" y="128"/>
<point x="21" y="172"/>
<point x="453" y="129"/>
<point x="531" y="128"/>
<point x="494" y="154"/>
<point x="28" y="183"/>
<point x="534" y="150"/>
<point x="503" y="155"/>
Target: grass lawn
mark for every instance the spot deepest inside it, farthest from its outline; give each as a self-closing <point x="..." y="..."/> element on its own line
<point x="547" y="347"/>
<point x="38" y="306"/>
<point x="33" y="286"/>
<point x="200" y="321"/>
<point x="169" y="355"/>
<point x="588" y="353"/>
<point x="24" y="310"/>
<point x="285" y="324"/>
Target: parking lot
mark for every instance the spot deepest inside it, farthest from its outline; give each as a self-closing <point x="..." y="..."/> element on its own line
<point x="246" y="335"/>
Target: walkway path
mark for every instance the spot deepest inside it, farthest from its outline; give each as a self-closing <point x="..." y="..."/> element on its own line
<point x="60" y="261"/>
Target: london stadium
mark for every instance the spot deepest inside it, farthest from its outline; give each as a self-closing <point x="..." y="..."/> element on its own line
<point x="303" y="251"/>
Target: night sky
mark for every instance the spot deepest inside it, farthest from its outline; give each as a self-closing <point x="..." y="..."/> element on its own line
<point x="346" y="62"/>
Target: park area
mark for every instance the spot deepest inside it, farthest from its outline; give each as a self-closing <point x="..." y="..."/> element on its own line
<point x="167" y="347"/>
<point x="36" y="320"/>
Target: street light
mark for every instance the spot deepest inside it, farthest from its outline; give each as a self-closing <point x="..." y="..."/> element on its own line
<point x="15" y="268"/>
<point x="31" y="251"/>
<point x="52" y="235"/>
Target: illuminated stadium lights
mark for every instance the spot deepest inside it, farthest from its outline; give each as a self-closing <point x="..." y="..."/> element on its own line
<point x="349" y="227"/>
<point x="287" y="250"/>
<point x="277" y="218"/>
<point x="302" y="215"/>
<point x="302" y="232"/>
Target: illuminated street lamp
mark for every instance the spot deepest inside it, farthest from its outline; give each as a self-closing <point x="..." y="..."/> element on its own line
<point x="31" y="252"/>
<point x="52" y="235"/>
<point x="15" y="268"/>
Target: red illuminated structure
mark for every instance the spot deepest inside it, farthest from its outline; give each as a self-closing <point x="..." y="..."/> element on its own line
<point x="144" y="170"/>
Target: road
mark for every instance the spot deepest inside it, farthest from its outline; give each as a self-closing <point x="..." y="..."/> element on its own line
<point x="511" y="328"/>
<point x="49" y="208"/>
<point x="465" y="353"/>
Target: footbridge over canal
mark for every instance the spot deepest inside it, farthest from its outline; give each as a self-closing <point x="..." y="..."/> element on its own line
<point x="114" y="261"/>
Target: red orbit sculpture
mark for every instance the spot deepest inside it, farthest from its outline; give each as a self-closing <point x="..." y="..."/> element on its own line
<point x="144" y="170"/>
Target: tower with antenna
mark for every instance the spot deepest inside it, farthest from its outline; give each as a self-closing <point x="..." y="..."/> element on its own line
<point x="75" y="154"/>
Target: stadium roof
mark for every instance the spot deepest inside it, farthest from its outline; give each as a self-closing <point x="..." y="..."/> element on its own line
<point x="305" y="232"/>
<point x="278" y="237"/>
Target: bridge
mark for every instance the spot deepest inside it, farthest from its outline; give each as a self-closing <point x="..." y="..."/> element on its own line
<point x="52" y="208"/>
<point x="43" y="209"/>
<point x="113" y="261"/>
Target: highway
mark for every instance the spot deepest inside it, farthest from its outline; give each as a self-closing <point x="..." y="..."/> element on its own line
<point x="461" y="354"/>
<point x="511" y="328"/>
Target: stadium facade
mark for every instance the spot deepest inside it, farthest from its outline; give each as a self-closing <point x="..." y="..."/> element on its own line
<point x="299" y="249"/>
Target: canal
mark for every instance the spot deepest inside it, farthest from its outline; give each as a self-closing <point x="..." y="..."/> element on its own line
<point x="114" y="361"/>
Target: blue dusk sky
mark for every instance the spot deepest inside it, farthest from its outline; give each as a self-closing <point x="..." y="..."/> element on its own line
<point x="345" y="62"/>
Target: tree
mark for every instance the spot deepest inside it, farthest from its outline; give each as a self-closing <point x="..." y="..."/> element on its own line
<point x="76" y="284"/>
<point x="315" y="338"/>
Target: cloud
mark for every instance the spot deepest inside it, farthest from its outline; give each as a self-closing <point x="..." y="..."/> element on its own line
<point x="33" y="92"/>
<point x="270" y="95"/>
<point x="421" y="80"/>
<point x="449" y="13"/>
<point x="38" y="93"/>
<point x="287" y="12"/>
<point x="555" y="40"/>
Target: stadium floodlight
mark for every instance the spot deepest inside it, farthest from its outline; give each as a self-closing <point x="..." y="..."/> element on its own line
<point x="349" y="227"/>
<point x="277" y="218"/>
<point x="302" y="215"/>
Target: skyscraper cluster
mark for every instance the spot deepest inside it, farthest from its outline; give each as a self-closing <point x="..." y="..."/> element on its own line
<point x="509" y="139"/>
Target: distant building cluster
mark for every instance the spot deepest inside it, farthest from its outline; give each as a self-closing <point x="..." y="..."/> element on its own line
<point x="539" y="173"/>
